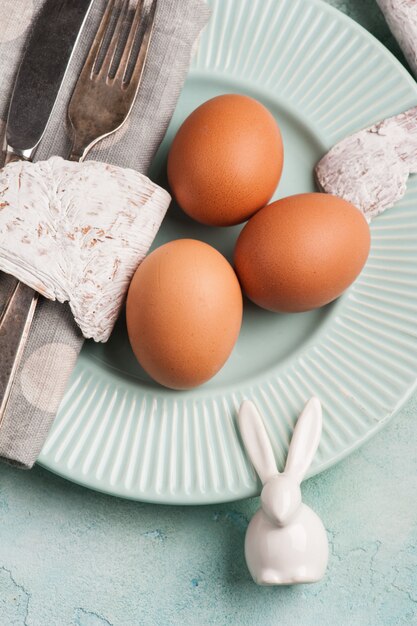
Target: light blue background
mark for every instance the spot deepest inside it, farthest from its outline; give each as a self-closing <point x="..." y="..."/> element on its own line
<point x="71" y="556"/>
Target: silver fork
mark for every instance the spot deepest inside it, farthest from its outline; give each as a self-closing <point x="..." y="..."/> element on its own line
<point x="105" y="92"/>
<point x="100" y="104"/>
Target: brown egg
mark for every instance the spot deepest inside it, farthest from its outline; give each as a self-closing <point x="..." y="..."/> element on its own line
<point x="184" y="312"/>
<point x="226" y="160"/>
<point x="301" y="252"/>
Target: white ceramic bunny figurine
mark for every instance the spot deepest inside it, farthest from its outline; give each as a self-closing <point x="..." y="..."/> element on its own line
<point x="286" y="542"/>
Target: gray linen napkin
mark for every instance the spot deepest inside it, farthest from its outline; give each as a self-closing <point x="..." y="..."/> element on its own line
<point x="55" y="340"/>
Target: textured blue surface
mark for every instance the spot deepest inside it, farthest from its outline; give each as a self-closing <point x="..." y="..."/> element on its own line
<point x="69" y="556"/>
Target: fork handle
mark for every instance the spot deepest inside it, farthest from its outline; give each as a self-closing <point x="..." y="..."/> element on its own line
<point x="16" y="317"/>
<point x="15" y="323"/>
<point x="78" y="152"/>
<point x="81" y="145"/>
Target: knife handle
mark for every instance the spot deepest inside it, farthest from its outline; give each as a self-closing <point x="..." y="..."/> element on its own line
<point x="15" y="323"/>
<point x="18" y="307"/>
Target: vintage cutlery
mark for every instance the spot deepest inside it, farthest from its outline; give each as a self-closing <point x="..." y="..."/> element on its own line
<point x="36" y="88"/>
<point x="106" y="89"/>
<point x="101" y="102"/>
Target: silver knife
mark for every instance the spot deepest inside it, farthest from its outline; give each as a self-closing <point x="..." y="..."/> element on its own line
<point x="40" y="76"/>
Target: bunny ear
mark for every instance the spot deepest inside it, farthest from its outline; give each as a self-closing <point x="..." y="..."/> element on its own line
<point x="256" y="441"/>
<point x="305" y="440"/>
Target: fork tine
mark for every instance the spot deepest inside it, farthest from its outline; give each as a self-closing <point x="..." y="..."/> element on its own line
<point x="100" y="104"/>
<point x="111" y="50"/>
<point x="124" y="61"/>
<point x="98" y="39"/>
<point x="136" y="77"/>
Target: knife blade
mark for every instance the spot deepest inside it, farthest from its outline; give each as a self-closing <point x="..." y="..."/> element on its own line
<point x="41" y="73"/>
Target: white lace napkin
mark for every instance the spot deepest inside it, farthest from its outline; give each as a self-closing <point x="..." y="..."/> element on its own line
<point x="55" y="339"/>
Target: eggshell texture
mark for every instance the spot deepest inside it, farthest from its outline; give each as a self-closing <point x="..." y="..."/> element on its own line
<point x="184" y="312"/>
<point x="301" y="252"/>
<point x="226" y="160"/>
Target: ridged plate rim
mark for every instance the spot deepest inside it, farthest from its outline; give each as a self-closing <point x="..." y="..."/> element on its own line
<point x="364" y="320"/>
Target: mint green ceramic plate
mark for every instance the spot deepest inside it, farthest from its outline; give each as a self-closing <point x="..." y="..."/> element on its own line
<point x="322" y="76"/>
